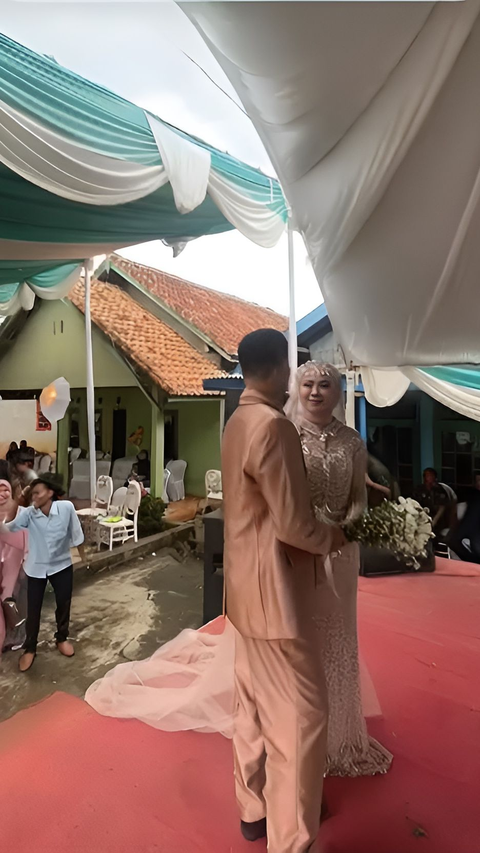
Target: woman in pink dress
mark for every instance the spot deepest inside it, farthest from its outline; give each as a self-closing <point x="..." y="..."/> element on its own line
<point x="188" y="683"/>
<point x="12" y="550"/>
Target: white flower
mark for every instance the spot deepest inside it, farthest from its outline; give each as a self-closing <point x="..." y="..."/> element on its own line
<point x="403" y="528"/>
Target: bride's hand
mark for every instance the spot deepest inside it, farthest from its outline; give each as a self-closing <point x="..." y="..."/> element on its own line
<point x="338" y="539"/>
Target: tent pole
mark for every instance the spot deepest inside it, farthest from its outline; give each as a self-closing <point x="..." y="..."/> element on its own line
<point x="292" y="327"/>
<point x="350" y="401"/>
<point x="90" y="385"/>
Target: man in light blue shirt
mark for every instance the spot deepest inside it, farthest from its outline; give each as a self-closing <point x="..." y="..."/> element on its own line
<point x="53" y="529"/>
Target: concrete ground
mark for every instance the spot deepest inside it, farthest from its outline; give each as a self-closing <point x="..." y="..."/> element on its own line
<point x="120" y="614"/>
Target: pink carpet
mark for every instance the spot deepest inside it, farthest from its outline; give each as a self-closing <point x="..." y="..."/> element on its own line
<point x="73" y="781"/>
<point x="456" y="568"/>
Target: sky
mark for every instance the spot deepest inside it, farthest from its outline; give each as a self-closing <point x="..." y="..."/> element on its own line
<point x="141" y="51"/>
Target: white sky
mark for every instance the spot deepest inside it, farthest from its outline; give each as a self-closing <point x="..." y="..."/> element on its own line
<point x="135" y="49"/>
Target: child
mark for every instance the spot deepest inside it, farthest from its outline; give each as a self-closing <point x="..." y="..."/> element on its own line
<point x="53" y="529"/>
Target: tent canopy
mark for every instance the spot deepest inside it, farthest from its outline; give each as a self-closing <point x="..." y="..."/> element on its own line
<point x="369" y="112"/>
<point x="83" y="171"/>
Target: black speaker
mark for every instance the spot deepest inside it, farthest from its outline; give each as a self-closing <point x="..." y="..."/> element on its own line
<point x="377" y="562"/>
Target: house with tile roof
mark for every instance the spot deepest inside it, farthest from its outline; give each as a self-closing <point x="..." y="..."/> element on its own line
<point x="216" y="322"/>
<point x="153" y="350"/>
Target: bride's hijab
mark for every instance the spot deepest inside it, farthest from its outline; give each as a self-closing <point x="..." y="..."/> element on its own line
<point x="315" y="370"/>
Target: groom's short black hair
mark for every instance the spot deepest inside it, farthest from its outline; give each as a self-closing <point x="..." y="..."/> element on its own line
<point x="261" y="352"/>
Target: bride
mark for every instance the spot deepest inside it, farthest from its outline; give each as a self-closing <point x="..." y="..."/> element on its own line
<point x="188" y="683"/>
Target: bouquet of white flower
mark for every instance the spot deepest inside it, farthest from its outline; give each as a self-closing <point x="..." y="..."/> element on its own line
<point x="404" y="528"/>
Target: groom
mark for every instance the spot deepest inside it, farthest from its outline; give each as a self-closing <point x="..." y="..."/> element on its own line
<point x="274" y="550"/>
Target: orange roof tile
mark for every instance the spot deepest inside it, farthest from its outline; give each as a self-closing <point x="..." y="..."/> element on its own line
<point x="224" y="319"/>
<point x="149" y="343"/>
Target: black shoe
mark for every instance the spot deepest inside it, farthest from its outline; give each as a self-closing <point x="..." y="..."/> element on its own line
<point x="254" y="831"/>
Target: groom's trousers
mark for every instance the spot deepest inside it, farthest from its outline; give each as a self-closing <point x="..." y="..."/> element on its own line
<point x="280" y="739"/>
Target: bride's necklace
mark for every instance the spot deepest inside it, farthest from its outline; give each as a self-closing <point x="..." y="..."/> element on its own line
<point x="321" y="432"/>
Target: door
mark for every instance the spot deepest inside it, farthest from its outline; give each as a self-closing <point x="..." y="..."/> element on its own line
<point x="170" y="436"/>
<point x="119" y="439"/>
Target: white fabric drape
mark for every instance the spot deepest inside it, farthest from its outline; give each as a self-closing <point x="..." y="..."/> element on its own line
<point x="62" y="167"/>
<point x="24" y="296"/>
<point x="57" y="164"/>
<point x="383" y="387"/>
<point x="386" y="387"/>
<point x="369" y="112"/>
<point x="190" y="173"/>
<point x="57" y="291"/>
<point x="187" y="165"/>
<point x="254" y="220"/>
<point x="456" y="397"/>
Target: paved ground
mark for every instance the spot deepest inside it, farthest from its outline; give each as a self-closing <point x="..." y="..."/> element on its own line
<point x="117" y="615"/>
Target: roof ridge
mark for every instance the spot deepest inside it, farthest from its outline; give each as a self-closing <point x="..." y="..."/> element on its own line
<point x="159" y="341"/>
<point x="194" y="284"/>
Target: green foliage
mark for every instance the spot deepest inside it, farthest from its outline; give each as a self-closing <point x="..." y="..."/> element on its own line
<point x="150" y="516"/>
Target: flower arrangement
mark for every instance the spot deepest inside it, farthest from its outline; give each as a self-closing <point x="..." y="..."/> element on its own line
<point x="402" y="527"/>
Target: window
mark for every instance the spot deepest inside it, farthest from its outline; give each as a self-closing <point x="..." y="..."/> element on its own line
<point x="460" y="458"/>
<point x="394" y="446"/>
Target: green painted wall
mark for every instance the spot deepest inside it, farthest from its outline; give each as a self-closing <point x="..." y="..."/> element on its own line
<point x="139" y="413"/>
<point x="52" y="344"/>
<point x="198" y="440"/>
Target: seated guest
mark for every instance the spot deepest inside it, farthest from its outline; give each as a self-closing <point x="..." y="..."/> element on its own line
<point x="439" y="499"/>
<point x="12" y="451"/>
<point x="25" y="448"/>
<point x="380" y="484"/>
<point x="143" y="468"/>
<point x="464" y="538"/>
<point x="22" y="476"/>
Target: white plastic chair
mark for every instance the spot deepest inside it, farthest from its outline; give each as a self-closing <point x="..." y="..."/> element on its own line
<point x="166" y="476"/>
<point x="75" y="454"/>
<point x="213" y="485"/>
<point x="45" y="464"/>
<point x="103" y="497"/>
<point x="80" y="485"/>
<point x="121" y="531"/>
<point x="175" y="485"/>
<point x="121" y="470"/>
<point x="118" y="500"/>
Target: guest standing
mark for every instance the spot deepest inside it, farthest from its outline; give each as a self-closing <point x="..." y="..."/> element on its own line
<point x="53" y="529"/>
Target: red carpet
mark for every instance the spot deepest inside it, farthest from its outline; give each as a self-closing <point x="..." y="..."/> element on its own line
<point x="73" y="781"/>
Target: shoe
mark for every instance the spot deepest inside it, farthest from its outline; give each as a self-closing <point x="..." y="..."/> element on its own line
<point x="26" y="661"/>
<point x="65" y="648"/>
<point x="254" y="831"/>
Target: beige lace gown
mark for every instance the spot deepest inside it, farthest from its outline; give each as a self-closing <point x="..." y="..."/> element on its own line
<point x="336" y="459"/>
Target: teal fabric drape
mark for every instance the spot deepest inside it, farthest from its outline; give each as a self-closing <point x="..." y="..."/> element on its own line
<point x="61" y="203"/>
<point x="46" y="274"/>
<point x="102" y="121"/>
<point x="467" y="377"/>
<point x="33" y="214"/>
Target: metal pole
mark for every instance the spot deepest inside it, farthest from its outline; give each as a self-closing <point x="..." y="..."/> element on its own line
<point x="292" y="327"/>
<point x="350" y="402"/>
<point x="90" y="385"/>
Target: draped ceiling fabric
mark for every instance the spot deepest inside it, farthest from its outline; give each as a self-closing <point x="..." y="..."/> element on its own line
<point x="458" y="388"/>
<point x="83" y="172"/>
<point x="370" y="115"/>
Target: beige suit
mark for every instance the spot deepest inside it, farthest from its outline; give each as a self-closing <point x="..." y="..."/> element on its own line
<point x="273" y="571"/>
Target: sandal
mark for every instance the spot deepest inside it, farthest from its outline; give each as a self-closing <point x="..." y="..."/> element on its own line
<point x="27" y="664"/>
